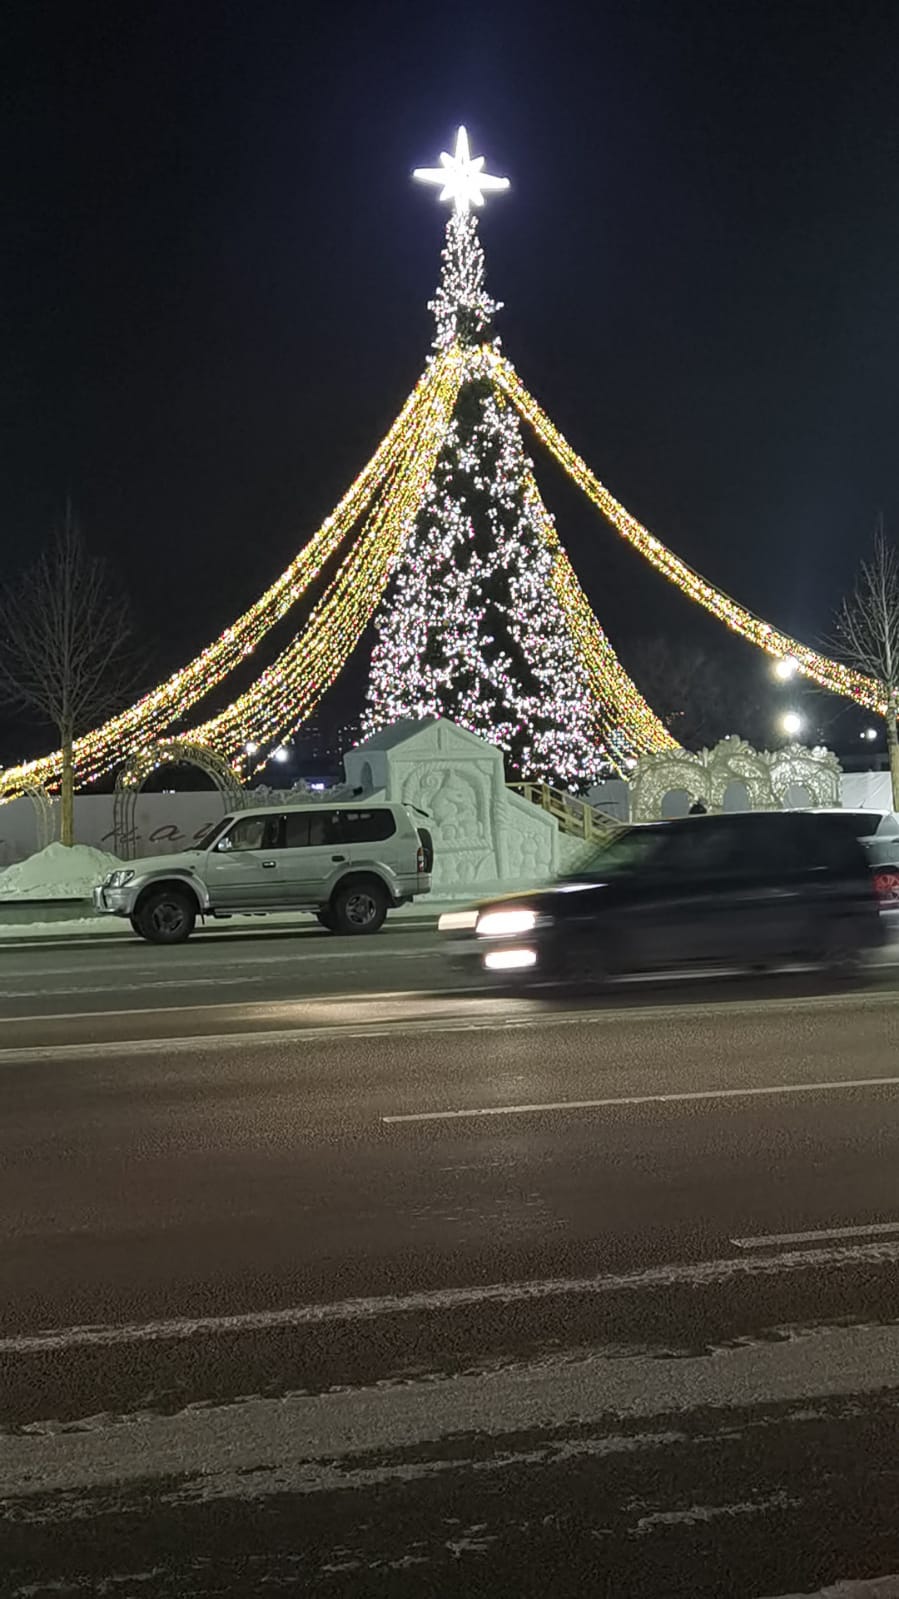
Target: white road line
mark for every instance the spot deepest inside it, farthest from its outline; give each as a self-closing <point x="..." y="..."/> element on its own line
<point x="693" y="1274"/>
<point x="645" y="1099"/>
<point x="874" y="1229"/>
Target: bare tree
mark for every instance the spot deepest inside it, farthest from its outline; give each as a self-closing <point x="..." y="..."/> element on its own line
<point x="64" y="633"/>
<point x="867" y="635"/>
<point x="701" y="697"/>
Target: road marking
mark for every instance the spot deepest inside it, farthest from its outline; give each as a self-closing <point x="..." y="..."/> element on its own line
<point x="693" y="1274"/>
<point x="645" y="1099"/>
<point x="874" y="1229"/>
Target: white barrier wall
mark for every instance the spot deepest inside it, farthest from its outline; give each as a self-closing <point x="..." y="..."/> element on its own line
<point x="164" y="822"/>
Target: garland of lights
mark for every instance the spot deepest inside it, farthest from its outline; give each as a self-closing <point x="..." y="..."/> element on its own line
<point x="287" y="692"/>
<point x="830" y="674"/>
<point x="100" y="751"/>
<point x="629" y="726"/>
<point x="583" y="681"/>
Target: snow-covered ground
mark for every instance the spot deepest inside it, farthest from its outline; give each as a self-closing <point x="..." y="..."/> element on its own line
<point x="57" y="872"/>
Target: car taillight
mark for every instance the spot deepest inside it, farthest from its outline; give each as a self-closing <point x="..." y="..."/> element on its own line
<point x="886" y="885"/>
<point x="420" y="859"/>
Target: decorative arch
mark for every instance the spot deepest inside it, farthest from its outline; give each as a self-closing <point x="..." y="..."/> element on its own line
<point x="658" y="775"/>
<point x="706" y="776"/>
<point x="131" y="778"/>
<point x="13" y="788"/>
<point x="817" y="771"/>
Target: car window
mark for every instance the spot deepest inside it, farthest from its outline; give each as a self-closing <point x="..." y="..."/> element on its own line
<point x="364" y="827"/>
<point x="307" y="829"/>
<point x="251" y="833"/>
<point x="770" y="844"/>
<point x="626" y="852"/>
<point x="207" y="838"/>
<point x="698" y="849"/>
<point x="863" y="823"/>
<point x="836" y="846"/>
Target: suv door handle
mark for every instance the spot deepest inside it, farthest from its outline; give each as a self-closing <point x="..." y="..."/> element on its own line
<point x="338" y="858"/>
<point x="267" y="864"/>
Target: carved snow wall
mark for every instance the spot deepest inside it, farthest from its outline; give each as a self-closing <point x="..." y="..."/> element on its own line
<point x="771" y="780"/>
<point x="485" y="837"/>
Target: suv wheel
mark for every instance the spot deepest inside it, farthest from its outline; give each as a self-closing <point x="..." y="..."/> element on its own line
<point x="166" y="916"/>
<point x="360" y="906"/>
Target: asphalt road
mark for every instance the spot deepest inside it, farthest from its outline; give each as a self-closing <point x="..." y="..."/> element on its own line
<point x="350" y="1284"/>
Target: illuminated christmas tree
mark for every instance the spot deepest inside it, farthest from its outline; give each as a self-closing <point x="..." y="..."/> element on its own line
<point x="471" y="627"/>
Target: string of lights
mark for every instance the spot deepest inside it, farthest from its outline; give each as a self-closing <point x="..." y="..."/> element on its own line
<point x="628" y="726"/>
<point x="105" y="747"/>
<point x="829" y="674"/>
<point x="287" y="692"/>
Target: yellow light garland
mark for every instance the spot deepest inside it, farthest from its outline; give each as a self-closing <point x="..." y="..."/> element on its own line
<point x="623" y="716"/>
<point x="830" y="674"/>
<point x="105" y="747"/>
<point x="288" y="690"/>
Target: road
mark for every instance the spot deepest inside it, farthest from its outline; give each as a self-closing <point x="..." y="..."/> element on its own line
<point x="322" y="1277"/>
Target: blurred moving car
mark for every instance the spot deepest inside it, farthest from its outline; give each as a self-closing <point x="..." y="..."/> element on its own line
<point x="350" y="863"/>
<point x="878" y="834"/>
<point x="753" y="888"/>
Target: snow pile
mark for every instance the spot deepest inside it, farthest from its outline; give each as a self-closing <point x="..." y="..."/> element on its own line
<point x="57" y="873"/>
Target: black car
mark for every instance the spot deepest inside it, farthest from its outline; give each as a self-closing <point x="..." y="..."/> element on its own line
<point x="752" y="889"/>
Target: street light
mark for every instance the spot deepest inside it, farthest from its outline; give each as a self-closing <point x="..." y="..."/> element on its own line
<point x="791" y="722"/>
<point x="786" y="668"/>
<point x="281" y="754"/>
<point x="869" y="735"/>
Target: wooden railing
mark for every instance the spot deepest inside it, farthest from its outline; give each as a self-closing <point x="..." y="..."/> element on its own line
<point x="573" y="815"/>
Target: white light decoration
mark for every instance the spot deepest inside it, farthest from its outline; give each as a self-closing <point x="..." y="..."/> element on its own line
<point x="791" y="722"/>
<point x="869" y="735"/>
<point x="281" y="754"/>
<point x="473" y="627"/>
<point x="786" y="668"/>
<point x="462" y="180"/>
<point x="250" y="748"/>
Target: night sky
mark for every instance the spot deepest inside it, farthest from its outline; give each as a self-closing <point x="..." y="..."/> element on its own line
<point x="216" y="269"/>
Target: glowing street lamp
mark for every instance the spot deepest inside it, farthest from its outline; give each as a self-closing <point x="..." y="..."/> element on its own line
<point x="281" y="754"/>
<point x="791" y="722"/>
<point x="869" y="734"/>
<point x="786" y="668"/>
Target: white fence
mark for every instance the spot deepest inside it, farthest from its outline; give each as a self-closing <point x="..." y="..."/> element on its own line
<point x="163" y="823"/>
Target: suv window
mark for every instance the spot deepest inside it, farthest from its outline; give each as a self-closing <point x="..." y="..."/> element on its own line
<point x="252" y="832"/>
<point x="305" y="829"/>
<point x="364" y="827"/>
<point x="836" y="846"/>
<point x="697" y="849"/>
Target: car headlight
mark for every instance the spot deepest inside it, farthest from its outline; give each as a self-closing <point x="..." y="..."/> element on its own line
<point x="117" y="879"/>
<point x="503" y="924"/>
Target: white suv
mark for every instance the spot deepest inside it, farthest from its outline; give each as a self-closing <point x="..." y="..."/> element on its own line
<point x="350" y="863"/>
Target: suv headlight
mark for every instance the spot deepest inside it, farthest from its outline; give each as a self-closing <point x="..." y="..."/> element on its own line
<point x="503" y="924"/>
<point x="117" y="879"/>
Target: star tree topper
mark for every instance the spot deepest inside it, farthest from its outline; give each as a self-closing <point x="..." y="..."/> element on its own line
<point x="462" y="180"/>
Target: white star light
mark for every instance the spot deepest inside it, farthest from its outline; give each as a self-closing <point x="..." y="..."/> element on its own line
<point x="461" y="180"/>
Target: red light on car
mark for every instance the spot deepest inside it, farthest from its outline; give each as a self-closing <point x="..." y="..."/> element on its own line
<point x="886" y="884"/>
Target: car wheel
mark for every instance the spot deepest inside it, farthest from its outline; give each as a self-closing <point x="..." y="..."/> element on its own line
<point x="167" y="916"/>
<point x="360" y="906"/>
<point x="325" y="918"/>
